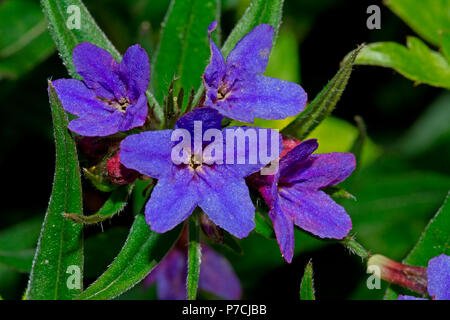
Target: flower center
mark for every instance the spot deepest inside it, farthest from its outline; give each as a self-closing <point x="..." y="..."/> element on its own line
<point x="222" y="93"/>
<point x="194" y="162"/>
<point x="120" y="105"/>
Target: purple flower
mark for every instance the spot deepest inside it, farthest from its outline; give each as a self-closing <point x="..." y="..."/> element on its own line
<point x="438" y="274"/>
<point x="237" y="88"/>
<point x="294" y="196"/>
<point x="216" y="275"/>
<point x="111" y="97"/>
<point x="218" y="189"/>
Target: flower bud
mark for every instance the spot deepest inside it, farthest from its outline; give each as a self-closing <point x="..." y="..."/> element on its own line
<point x="289" y="143"/>
<point x="411" y="277"/>
<point x="118" y="173"/>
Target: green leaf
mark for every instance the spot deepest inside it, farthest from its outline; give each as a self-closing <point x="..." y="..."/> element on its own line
<point x="18" y="243"/>
<point x="429" y="18"/>
<point x="431" y="127"/>
<point x="387" y="197"/>
<point x="66" y="39"/>
<point x="324" y="103"/>
<point x="262" y="225"/>
<point x="113" y="205"/>
<point x="60" y="241"/>
<point x="184" y="47"/>
<point x="416" y="62"/>
<point x="445" y="45"/>
<point x="307" y="285"/>
<point x="258" y="12"/>
<point x="284" y="62"/>
<point x="24" y="40"/>
<point x="337" y="135"/>
<point x="142" y="251"/>
<point x="194" y="258"/>
<point x="434" y="241"/>
<point x="338" y="192"/>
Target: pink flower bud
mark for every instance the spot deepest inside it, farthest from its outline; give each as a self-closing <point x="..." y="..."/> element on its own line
<point x="411" y="277"/>
<point x="118" y="173"/>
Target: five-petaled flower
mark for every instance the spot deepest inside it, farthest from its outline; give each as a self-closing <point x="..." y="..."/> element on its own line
<point x="294" y="197"/>
<point x="238" y="90"/>
<point x="438" y="276"/>
<point x="111" y="97"/>
<point x="216" y="274"/>
<point x="218" y="189"/>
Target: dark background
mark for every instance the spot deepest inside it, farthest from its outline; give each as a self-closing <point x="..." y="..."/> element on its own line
<point x="326" y="31"/>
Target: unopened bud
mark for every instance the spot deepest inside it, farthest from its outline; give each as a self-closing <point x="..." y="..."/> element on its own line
<point x="411" y="277"/>
<point x="118" y="173"/>
<point x="289" y="143"/>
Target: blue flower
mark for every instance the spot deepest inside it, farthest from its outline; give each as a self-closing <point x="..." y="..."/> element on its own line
<point x="218" y="189"/>
<point x="294" y="194"/>
<point x="438" y="275"/>
<point x="216" y="274"/>
<point x="238" y="89"/>
<point x="111" y="97"/>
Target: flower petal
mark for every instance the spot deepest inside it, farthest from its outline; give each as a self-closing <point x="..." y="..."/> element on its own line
<point x="315" y="212"/>
<point x="226" y="201"/>
<point x="215" y="70"/>
<point x="402" y="297"/>
<point x="148" y="152"/>
<point x="93" y="126"/>
<point x="78" y="99"/>
<point x="135" y="71"/>
<point x="209" y="118"/>
<point x="439" y="277"/>
<point x="173" y="199"/>
<point x="217" y="276"/>
<point x="98" y="69"/>
<point x="250" y="150"/>
<point x="283" y="224"/>
<point x="136" y="114"/>
<point x="171" y="280"/>
<point x="231" y="107"/>
<point x="251" y="53"/>
<point x="269" y="98"/>
<point x="322" y="170"/>
<point x="295" y="157"/>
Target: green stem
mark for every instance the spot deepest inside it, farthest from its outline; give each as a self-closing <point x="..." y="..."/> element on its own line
<point x="355" y="247"/>
<point x="194" y="257"/>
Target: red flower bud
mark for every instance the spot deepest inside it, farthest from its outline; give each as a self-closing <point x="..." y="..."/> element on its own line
<point x="411" y="277"/>
<point x="118" y="173"/>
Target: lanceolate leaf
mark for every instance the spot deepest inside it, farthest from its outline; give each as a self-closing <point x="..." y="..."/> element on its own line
<point x="142" y="251"/>
<point x="18" y="244"/>
<point x="416" y="61"/>
<point x="24" y="40"/>
<point x="60" y="243"/>
<point x="113" y="205"/>
<point x="434" y="241"/>
<point x="58" y="14"/>
<point x="184" y="47"/>
<point x="324" y="103"/>
<point x="194" y="258"/>
<point x="258" y="12"/>
<point x="307" y="285"/>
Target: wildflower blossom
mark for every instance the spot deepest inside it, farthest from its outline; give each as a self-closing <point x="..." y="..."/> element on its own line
<point x="111" y="97"/>
<point x="237" y="88"/>
<point x="294" y="197"/>
<point x="218" y="189"/>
